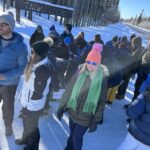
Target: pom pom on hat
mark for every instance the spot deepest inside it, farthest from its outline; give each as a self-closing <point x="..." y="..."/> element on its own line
<point x="94" y="56"/>
<point x="97" y="47"/>
<point x="8" y="18"/>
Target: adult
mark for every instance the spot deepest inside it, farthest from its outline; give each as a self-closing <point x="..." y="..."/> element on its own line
<point x="84" y="99"/>
<point x="38" y="75"/>
<point x="38" y="35"/>
<point x="54" y="34"/>
<point x="139" y="129"/>
<point x="13" y="58"/>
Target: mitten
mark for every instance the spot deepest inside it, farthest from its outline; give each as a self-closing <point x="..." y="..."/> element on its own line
<point x="92" y="128"/>
<point x="60" y="112"/>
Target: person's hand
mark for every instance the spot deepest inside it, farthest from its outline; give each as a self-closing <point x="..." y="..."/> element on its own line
<point x="2" y="76"/>
<point x="92" y="128"/>
<point x="60" y="112"/>
<point x="24" y="113"/>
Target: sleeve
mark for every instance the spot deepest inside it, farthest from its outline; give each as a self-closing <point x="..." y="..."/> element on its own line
<point x="22" y="61"/>
<point x="137" y="107"/>
<point x="41" y="88"/>
<point x="68" y="91"/>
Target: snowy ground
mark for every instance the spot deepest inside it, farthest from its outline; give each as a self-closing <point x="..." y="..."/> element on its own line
<point x="54" y="133"/>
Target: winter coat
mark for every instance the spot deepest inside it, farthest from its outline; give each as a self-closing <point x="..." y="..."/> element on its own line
<point x="64" y="35"/>
<point x="55" y="36"/>
<point x="145" y="66"/>
<point x="34" y="91"/>
<point x="123" y="56"/>
<point x="115" y="65"/>
<point x="13" y="59"/>
<point x="145" y="85"/>
<point x="36" y="36"/>
<point x="139" y="112"/>
<point x="78" y="115"/>
<point x="80" y="43"/>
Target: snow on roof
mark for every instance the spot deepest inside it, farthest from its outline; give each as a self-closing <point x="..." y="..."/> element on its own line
<point x="51" y="4"/>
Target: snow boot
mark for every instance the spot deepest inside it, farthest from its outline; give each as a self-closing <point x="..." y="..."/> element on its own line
<point x="20" y="141"/>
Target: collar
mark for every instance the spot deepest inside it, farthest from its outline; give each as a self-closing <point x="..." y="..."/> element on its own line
<point x="45" y="60"/>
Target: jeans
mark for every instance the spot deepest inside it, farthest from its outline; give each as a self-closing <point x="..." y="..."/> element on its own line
<point x="31" y="134"/>
<point x="75" y="139"/>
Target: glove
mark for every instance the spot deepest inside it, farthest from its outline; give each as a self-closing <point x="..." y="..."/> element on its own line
<point x="92" y="128"/>
<point x="60" y="112"/>
<point x="24" y="113"/>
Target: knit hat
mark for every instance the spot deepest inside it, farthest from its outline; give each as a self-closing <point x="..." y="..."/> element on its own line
<point x="67" y="41"/>
<point x="39" y="28"/>
<point x="8" y="18"/>
<point x="52" y="28"/>
<point x="41" y="48"/>
<point x="94" y="56"/>
<point x="98" y="47"/>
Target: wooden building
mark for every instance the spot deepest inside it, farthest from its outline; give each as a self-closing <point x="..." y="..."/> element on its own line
<point x="77" y="12"/>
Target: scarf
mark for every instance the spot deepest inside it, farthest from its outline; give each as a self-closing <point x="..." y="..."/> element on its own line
<point x="93" y="93"/>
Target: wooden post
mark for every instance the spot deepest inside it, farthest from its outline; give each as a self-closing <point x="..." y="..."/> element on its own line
<point x="48" y="16"/>
<point x="4" y="4"/>
<point x="18" y="15"/>
<point x="25" y="13"/>
<point x="55" y="18"/>
<point x="61" y="19"/>
<point x="30" y="15"/>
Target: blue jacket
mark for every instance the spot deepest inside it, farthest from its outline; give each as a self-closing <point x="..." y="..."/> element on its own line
<point x="13" y="59"/>
<point x="145" y="85"/>
<point x="139" y="112"/>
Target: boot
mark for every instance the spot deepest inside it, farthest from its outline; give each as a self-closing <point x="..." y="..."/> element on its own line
<point x="8" y="130"/>
<point x="20" y="141"/>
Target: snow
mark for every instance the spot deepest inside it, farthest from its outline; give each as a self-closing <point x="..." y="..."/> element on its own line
<point x="54" y="133"/>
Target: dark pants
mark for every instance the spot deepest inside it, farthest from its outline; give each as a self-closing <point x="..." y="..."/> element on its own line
<point x="7" y="94"/>
<point x="140" y="79"/>
<point x="123" y="87"/>
<point x="75" y="139"/>
<point x="31" y="134"/>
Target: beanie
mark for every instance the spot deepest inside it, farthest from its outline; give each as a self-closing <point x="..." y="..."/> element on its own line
<point x="67" y="41"/>
<point x="39" y="28"/>
<point x="52" y="28"/>
<point x="94" y="56"/>
<point x="8" y="18"/>
<point x="98" y="47"/>
<point x="41" y="48"/>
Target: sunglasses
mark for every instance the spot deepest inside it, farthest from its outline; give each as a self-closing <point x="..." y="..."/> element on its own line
<point x="91" y="62"/>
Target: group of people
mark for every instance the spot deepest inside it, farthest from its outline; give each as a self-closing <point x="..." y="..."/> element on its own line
<point x="91" y="73"/>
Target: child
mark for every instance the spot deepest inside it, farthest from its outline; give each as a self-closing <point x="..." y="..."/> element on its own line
<point x="34" y="93"/>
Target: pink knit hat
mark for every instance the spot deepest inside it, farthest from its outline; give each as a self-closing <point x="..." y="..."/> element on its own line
<point x="98" y="47"/>
<point x="94" y="56"/>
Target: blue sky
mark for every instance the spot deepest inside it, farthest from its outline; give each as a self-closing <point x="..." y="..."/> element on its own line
<point x="131" y="8"/>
